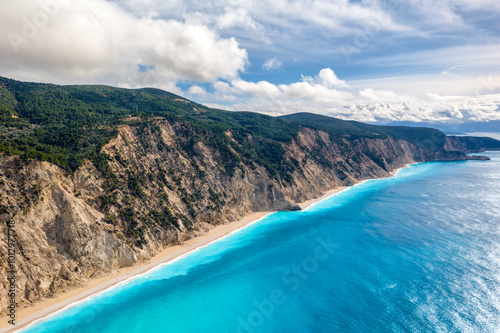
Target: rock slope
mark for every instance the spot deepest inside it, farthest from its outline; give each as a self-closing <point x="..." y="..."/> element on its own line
<point x="159" y="184"/>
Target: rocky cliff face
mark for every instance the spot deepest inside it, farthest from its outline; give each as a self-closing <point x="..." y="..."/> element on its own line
<point x="469" y="144"/>
<point x="159" y="184"/>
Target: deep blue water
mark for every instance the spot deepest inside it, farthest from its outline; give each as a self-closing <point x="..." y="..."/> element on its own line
<point x="416" y="253"/>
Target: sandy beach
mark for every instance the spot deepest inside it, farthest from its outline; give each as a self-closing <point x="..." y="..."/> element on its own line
<point x="395" y="172"/>
<point x="309" y="203"/>
<point x="47" y="307"/>
<point x="312" y="202"/>
<point x="42" y="309"/>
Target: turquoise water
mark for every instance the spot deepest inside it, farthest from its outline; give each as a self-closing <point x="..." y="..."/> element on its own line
<point x="416" y="253"/>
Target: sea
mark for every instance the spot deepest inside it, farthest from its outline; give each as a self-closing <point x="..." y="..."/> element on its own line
<point x="419" y="252"/>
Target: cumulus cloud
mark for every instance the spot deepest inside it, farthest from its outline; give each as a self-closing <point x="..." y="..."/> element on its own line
<point x="322" y="88"/>
<point x="326" y="94"/>
<point x="431" y="98"/>
<point x="323" y="91"/>
<point x="435" y="109"/>
<point x="98" y="41"/>
<point x="197" y="90"/>
<point x="259" y="89"/>
<point x="326" y="77"/>
<point x="272" y="63"/>
<point x="383" y="105"/>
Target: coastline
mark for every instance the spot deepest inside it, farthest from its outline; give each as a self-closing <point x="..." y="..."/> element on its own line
<point x="395" y="172"/>
<point x="46" y="308"/>
<point x="309" y="203"/>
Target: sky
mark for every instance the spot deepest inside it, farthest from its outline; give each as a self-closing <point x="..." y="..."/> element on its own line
<point x="434" y="61"/>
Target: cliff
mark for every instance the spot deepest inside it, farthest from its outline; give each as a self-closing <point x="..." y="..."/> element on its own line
<point x="91" y="188"/>
<point x="470" y="144"/>
<point x="71" y="227"/>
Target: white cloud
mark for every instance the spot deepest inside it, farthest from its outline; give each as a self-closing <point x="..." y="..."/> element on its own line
<point x="238" y="17"/>
<point x="421" y="85"/>
<point x="318" y="94"/>
<point x="321" y="88"/>
<point x="197" y="90"/>
<point x="259" y="89"/>
<point x="380" y="96"/>
<point x="435" y="109"/>
<point x="284" y="23"/>
<point x="327" y="78"/>
<point x="376" y="105"/>
<point x="272" y="63"/>
<point x="450" y="12"/>
<point x="97" y="41"/>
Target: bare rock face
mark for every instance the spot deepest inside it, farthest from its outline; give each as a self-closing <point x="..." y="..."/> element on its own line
<point x="61" y="240"/>
<point x="162" y="187"/>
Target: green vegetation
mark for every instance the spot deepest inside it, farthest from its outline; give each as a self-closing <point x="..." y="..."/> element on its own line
<point x="67" y="124"/>
<point x="423" y="137"/>
<point x="478" y="143"/>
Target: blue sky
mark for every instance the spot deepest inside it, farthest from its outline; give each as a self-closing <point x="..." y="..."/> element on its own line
<point x="369" y="60"/>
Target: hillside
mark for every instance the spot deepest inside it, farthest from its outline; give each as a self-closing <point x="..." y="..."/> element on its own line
<point x="422" y="137"/>
<point x="66" y="124"/>
<point x="97" y="178"/>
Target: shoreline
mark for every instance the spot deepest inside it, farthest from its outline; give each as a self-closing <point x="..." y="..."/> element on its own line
<point x="310" y="203"/>
<point x="395" y="172"/>
<point x="42" y="310"/>
<point x="49" y="307"/>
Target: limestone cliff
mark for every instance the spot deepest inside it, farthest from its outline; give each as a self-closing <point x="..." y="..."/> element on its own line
<point x="159" y="184"/>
